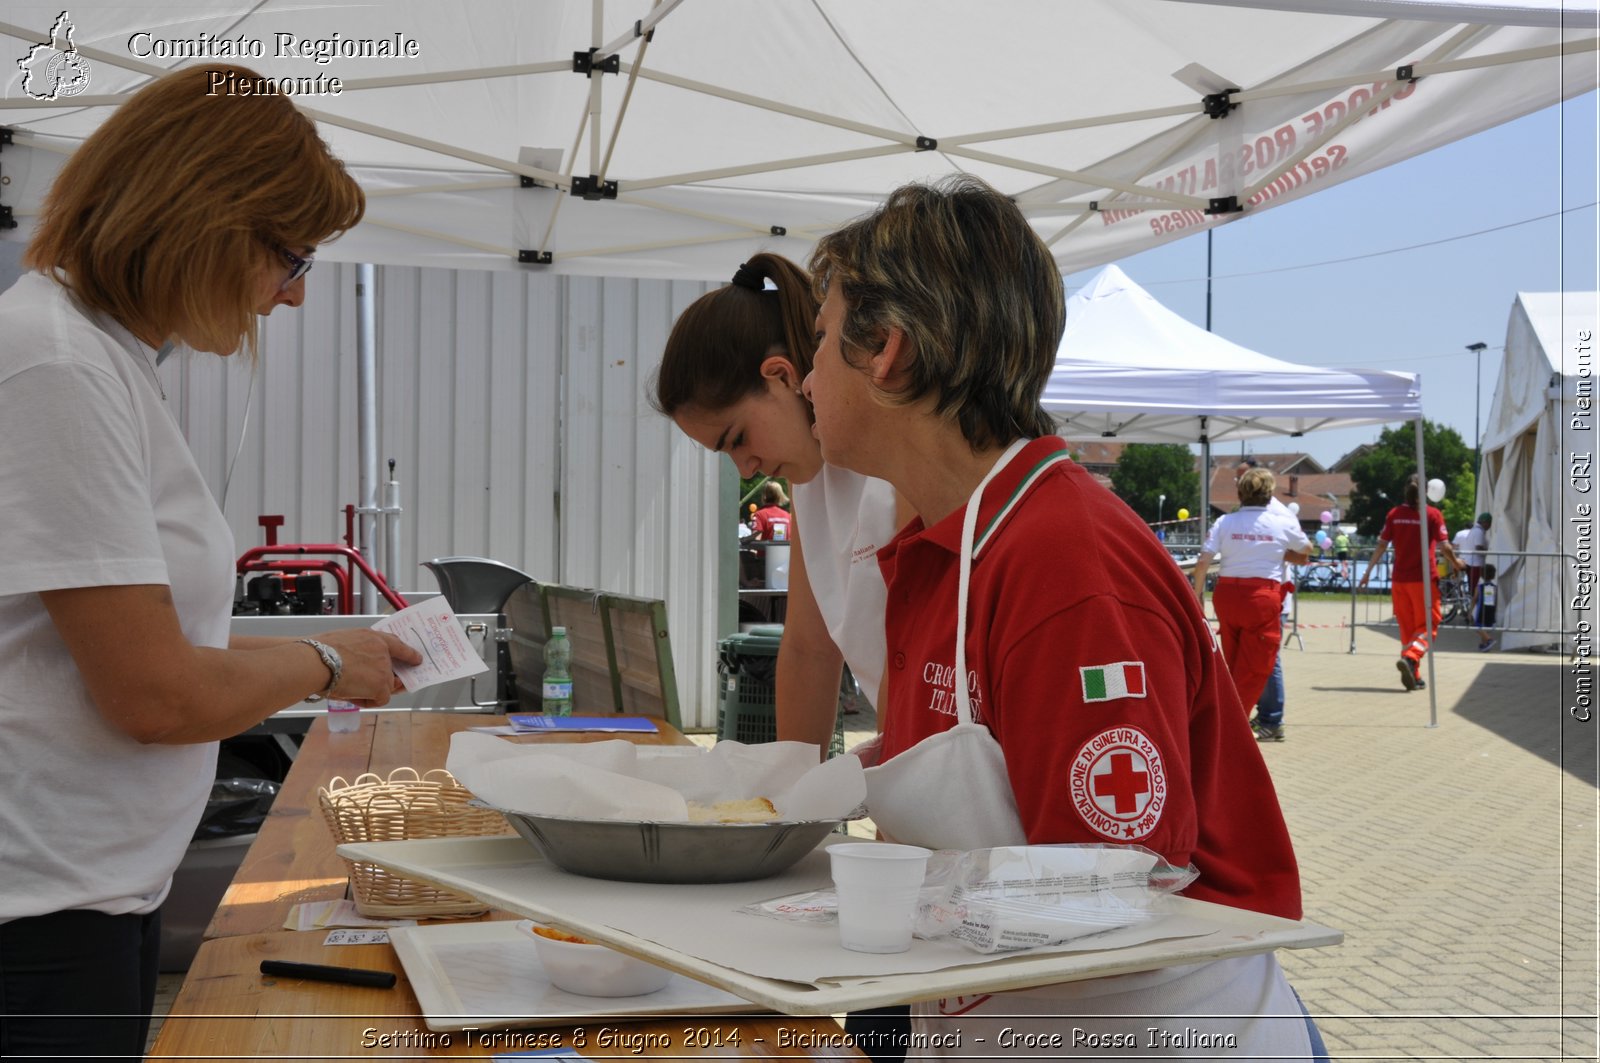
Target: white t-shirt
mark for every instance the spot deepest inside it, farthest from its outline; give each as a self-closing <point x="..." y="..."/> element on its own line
<point x="1476" y="546"/>
<point x="1250" y="542"/>
<point x="98" y="488"/>
<point x="844" y="519"/>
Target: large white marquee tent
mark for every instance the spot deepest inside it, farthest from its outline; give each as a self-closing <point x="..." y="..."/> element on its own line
<point x="1538" y="454"/>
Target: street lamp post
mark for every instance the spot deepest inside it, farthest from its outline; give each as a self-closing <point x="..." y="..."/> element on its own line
<point x="1477" y="409"/>
<point x="1161" y="500"/>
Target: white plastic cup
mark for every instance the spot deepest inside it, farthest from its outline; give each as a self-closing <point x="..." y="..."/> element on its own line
<point x="877" y="883"/>
<point x="343" y="716"/>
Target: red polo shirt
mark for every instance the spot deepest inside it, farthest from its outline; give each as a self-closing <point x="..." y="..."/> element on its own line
<point x="1400" y="531"/>
<point x="1090" y="661"/>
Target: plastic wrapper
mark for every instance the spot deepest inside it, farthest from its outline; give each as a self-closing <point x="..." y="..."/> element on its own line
<point x="1026" y="896"/>
<point x="1019" y="896"/>
<point x="814" y="907"/>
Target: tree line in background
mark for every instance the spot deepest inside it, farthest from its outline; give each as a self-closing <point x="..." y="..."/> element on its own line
<point x="1147" y="471"/>
<point x="1379" y="476"/>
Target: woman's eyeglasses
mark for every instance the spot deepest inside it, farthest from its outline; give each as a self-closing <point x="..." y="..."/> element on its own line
<point x="298" y="266"/>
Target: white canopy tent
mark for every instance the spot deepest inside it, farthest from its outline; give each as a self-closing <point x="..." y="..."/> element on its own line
<point x="727" y="125"/>
<point x="1538" y="450"/>
<point x="1129" y="368"/>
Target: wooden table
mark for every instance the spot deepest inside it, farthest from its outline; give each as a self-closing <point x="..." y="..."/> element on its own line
<point x="227" y="1009"/>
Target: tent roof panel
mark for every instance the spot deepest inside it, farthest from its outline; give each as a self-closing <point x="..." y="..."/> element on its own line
<point x="890" y="71"/>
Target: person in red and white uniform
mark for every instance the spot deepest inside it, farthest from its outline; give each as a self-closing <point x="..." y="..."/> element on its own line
<point x="1087" y="659"/>
<point x="1251" y="545"/>
<point x="1418" y="625"/>
<point x="771" y="522"/>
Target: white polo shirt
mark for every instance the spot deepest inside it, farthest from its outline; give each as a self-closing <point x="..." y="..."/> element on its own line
<point x="1250" y="543"/>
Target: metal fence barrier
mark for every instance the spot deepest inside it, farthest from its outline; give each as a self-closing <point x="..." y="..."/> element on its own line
<point x="1524" y="601"/>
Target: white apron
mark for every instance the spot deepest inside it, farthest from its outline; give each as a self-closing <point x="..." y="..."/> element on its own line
<point x="951" y="791"/>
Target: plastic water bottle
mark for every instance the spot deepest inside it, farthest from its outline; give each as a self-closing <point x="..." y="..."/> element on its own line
<point x="558" y="674"/>
<point x="343" y="716"/>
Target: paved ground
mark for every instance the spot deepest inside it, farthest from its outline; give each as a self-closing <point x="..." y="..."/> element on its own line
<point x="1459" y="860"/>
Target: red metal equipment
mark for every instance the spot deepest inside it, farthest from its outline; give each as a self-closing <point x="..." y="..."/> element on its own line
<point x="253" y="560"/>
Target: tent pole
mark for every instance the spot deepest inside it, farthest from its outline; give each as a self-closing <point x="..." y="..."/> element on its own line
<point x="1427" y="580"/>
<point x="367" y="428"/>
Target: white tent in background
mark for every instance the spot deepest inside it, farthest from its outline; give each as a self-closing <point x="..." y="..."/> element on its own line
<point x="1529" y="483"/>
<point x="1131" y="369"/>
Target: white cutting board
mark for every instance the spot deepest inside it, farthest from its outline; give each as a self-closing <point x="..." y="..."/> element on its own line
<point x="802" y="970"/>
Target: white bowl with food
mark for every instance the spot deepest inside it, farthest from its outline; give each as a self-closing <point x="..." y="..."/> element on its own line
<point x="576" y="965"/>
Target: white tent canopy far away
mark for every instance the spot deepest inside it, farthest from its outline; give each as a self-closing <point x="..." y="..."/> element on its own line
<point x="1130" y="369"/>
<point x="1538" y="449"/>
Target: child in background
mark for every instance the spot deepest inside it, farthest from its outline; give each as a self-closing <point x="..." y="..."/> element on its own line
<point x="1483" y="602"/>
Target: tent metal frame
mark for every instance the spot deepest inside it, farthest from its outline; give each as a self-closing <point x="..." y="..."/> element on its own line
<point x="1119" y="192"/>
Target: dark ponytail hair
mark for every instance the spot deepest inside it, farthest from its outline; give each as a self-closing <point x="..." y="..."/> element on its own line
<point x="714" y="354"/>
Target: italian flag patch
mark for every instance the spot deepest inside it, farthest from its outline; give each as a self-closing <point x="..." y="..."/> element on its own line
<point x="1112" y="682"/>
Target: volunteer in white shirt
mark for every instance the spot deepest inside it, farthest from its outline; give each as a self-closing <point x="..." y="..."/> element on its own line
<point x="181" y="219"/>
<point x="1252" y="545"/>
<point x="1475" y="551"/>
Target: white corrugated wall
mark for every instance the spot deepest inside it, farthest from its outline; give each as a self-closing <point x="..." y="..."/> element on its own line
<point x="476" y="372"/>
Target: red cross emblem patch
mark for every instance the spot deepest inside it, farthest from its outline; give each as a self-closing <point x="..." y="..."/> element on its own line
<point x="1118" y="784"/>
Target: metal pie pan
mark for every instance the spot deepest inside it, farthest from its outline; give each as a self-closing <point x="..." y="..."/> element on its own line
<point x="632" y="851"/>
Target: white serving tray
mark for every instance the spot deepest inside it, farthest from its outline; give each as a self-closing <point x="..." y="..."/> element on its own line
<point x="476" y="975"/>
<point x="802" y="970"/>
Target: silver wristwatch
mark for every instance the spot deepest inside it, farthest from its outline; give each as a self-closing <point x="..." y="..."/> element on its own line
<point x="331" y="658"/>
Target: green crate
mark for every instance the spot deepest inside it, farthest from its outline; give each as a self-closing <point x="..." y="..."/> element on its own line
<point x="747" y="664"/>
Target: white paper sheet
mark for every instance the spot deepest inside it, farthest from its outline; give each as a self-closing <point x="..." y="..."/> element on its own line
<point x="431" y="628"/>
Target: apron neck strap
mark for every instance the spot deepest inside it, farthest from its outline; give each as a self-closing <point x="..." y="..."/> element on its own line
<point x="969" y="528"/>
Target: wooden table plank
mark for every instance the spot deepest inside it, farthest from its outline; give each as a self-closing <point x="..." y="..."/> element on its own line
<point x="292" y="859"/>
<point x="228" y="1010"/>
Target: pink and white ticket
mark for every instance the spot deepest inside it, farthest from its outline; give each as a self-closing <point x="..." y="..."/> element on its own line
<point x="432" y="629"/>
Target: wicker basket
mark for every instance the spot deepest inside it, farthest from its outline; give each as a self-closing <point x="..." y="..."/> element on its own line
<point x="402" y="808"/>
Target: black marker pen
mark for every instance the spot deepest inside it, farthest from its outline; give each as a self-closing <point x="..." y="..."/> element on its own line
<point x="319" y="972"/>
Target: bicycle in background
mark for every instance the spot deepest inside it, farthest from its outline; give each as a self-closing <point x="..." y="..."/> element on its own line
<point x="1329" y="577"/>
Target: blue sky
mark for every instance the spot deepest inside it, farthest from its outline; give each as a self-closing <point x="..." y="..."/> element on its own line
<point x="1412" y="310"/>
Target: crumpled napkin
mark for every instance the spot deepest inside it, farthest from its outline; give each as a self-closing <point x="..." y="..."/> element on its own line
<point x="619" y="780"/>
